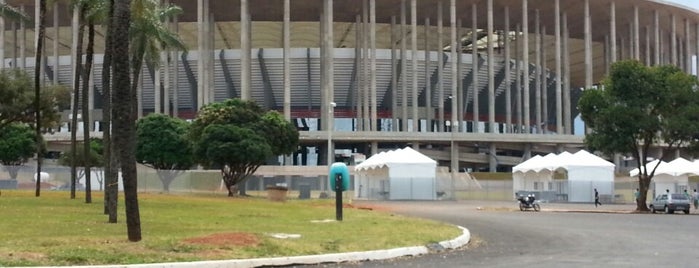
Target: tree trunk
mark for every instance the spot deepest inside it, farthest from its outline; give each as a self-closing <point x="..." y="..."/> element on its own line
<point x="167" y="177"/>
<point x="111" y="193"/>
<point x="76" y="100"/>
<point x="643" y="185"/>
<point x="87" y="124"/>
<point x="124" y="117"/>
<point x="37" y="92"/>
<point x="13" y="171"/>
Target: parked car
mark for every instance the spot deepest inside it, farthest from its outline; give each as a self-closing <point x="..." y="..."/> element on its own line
<point x="669" y="203"/>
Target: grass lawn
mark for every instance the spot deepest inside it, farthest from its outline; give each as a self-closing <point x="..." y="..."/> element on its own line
<point x="55" y="230"/>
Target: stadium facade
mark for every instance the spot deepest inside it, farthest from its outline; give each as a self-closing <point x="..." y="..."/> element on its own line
<point x="478" y="84"/>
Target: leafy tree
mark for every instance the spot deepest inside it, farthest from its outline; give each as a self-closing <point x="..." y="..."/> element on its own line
<point x="641" y="107"/>
<point x="17" y="145"/>
<point x="238" y="137"/>
<point x="162" y="144"/>
<point x="17" y="100"/>
<point x="95" y="159"/>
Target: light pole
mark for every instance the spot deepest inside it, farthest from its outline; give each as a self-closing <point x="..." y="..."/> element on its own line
<point x="331" y="119"/>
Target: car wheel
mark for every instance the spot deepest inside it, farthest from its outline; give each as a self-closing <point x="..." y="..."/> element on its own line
<point x="667" y="210"/>
<point x="521" y="207"/>
<point x="652" y="209"/>
<point x="686" y="211"/>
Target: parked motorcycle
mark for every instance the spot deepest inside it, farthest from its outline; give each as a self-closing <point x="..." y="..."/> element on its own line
<point x="527" y="202"/>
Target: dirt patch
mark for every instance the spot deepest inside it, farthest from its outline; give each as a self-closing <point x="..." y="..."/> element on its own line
<point x="225" y="239"/>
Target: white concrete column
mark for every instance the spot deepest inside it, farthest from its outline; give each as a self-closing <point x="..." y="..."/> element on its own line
<point x="366" y="73"/>
<point x="474" y="68"/>
<point x="491" y="70"/>
<point x="696" y="48"/>
<point x="329" y="70"/>
<point x="673" y="41"/>
<point x="23" y="40"/>
<point x="56" y="33"/>
<point x="687" y="48"/>
<point x="429" y="119"/>
<point x="559" y="75"/>
<point x="394" y="77"/>
<point x="612" y="31"/>
<point x="201" y="62"/>
<point x="372" y="66"/>
<point x="567" y="118"/>
<point x="518" y="78"/>
<point x="508" y="71"/>
<point x="588" y="46"/>
<point x="245" y="53"/>
<point x="656" y="30"/>
<point x="359" y="61"/>
<point x="525" y="65"/>
<point x="403" y="73"/>
<point x="286" y="32"/>
<point x="647" y="47"/>
<point x="454" y="76"/>
<point x="636" y="35"/>
<point x="414" y="75"/>
<point x="210" y="55"/>
<point x="73" y="52"/>
<point x="2" y="39"/>
<point x="440" y="68"/>
<point x="175" y="75"/>
<point x="544" y="86"/>
<point x="537" y="74"/>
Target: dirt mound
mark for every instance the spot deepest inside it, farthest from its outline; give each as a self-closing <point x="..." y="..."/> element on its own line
<point x="225" y="239"/>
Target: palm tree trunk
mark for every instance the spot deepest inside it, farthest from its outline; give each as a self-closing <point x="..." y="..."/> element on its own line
<point x="86" y="108"/>
<point x="37" y="92"/>
<point x="76" y="100"/>
<point x="124" y="117"/>
<point x="111" y="193"/>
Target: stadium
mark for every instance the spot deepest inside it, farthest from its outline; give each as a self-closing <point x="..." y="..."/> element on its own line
<point x="474" y="84"/>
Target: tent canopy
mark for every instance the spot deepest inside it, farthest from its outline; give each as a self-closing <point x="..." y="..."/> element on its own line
<point x="677" y="167"/>
<point x="565" y="160"/>
<point x="396" y="158"/>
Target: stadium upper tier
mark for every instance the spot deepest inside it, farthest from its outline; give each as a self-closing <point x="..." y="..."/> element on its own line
<point x="401" y="59"/>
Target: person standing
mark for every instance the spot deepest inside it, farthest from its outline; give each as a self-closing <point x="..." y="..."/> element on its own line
<point x="636" y="195"/>
<point x="597" y="198"/>
<point x="695" y="196"/>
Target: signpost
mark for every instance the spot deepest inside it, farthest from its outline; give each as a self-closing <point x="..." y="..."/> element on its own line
<point x="339" y="181"/>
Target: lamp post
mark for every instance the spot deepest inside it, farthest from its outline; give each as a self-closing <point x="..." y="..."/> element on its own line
<point x="331" y="119"/>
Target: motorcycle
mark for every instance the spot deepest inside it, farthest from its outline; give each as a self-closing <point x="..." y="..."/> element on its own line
<point x="527" y="202"/>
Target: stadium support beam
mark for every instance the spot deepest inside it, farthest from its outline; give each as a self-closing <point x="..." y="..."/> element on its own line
<point x="287" y="60"/>
<point x="508" y="72"/>
<point x="559" y="95"/>
<point x="588" y="46"/>
<point x="403" y="83"/>
<point x="245" y="45"/>
<point x="673" y="40"/>
<point x="475" y="70"/>
<point x="440" y="62"/>
<point x="567" y="109"/>
<point x="656" y="33"/>
<point x="491" y="70"/>
<point x="414" y="73"/>
<point x="525" y="66"/>
<point x="200" y="51"/>
<point x="372" y="77"/>
<point x="636" y="35"/>
<point x="537" y="73"/>
<point x="429" y="119"/>
<point x="56" y="29"/>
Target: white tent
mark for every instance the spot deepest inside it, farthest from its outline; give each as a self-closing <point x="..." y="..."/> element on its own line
<point x="582" y="172"/>
<point x="402" y="174"/>
<point x="672" y="176"/>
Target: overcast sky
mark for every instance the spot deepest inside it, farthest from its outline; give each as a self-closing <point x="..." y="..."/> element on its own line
<point x="690" y="3"/>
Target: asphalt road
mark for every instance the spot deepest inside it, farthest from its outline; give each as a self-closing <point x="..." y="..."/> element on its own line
<point x="502" y="237"/>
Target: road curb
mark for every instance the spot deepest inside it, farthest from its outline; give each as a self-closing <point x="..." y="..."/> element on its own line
<point x="357" y="256"/>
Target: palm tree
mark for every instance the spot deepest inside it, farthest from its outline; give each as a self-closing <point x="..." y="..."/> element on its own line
<point x="124" y="116"/>
<point x="149" y="35"/>
<point x="37" y="91"/>
<point x="111" y="191"/>
<point x="76" y="96"/>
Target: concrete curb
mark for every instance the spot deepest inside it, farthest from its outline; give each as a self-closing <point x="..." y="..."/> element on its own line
<point x="383" y="254"/>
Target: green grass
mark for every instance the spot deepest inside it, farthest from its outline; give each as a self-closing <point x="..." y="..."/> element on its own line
<point x="55" y="230"/>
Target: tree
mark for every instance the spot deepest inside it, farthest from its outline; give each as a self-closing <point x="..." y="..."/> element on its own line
<point x="162" y="144"/>
<point x="149" y="34"/>
<point x="17" y="100"/>
<point x="37" y="89"/>
<point x="95" y="159"/>
<point x="124" y="116"/>
<point x="238" y="137"/>
<point x="17" y="145"/>
<point x="111" y="193"/>
<point x="641" y="107"/>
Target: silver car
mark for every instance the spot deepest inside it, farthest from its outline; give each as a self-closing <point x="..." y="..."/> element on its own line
<point x="669" y="203"/>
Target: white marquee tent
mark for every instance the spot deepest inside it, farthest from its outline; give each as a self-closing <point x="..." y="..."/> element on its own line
<point x="403" y="174"/>
<point x="672" y="176"/>
<point x="581" y="173"/>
